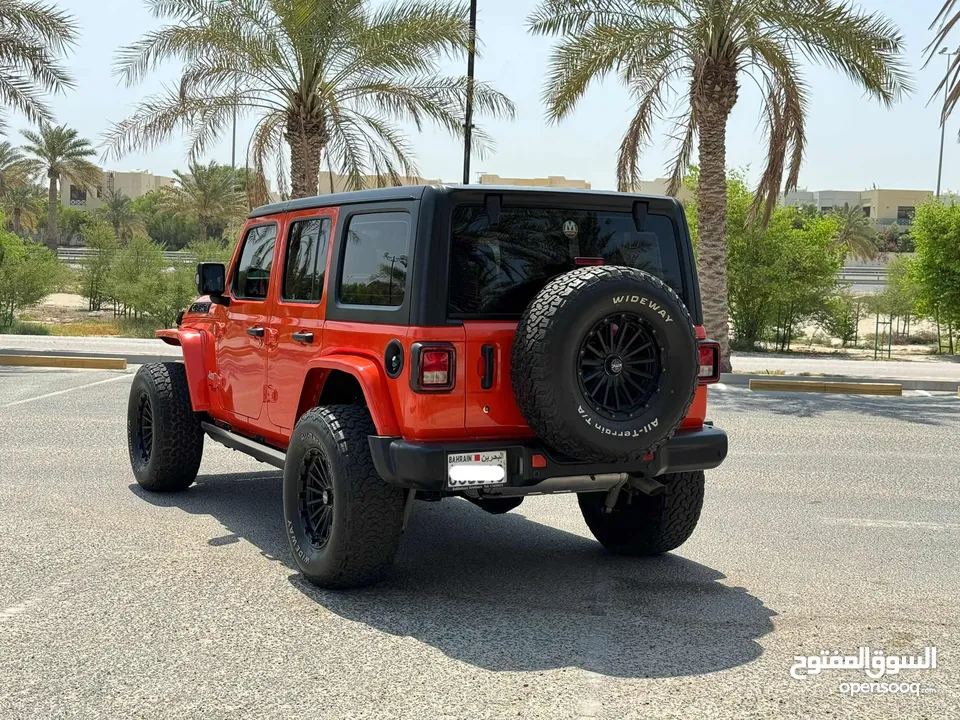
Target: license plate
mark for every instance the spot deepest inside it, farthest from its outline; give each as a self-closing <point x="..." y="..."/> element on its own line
<point x="478" y="469"/>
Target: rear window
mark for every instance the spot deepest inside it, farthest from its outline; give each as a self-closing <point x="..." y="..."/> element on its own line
<point x="499" y="270"/>
<point x="374" y="268"/>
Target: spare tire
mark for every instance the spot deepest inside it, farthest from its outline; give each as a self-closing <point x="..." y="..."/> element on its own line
<point x="605" y="363"/>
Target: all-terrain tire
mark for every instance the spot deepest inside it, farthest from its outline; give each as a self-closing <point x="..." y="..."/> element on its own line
<point x="641" y="524"/>
<point x="365" y="513"/>
<point x="164" y="437"/>
<point x="551" y="351"/>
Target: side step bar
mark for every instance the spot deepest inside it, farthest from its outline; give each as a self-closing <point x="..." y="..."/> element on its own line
<point x="257" y="451"/>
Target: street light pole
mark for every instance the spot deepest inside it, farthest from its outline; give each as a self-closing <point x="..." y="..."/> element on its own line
<point x="943" y="120"/>
<point x="468" y="104"/>
<point x="233" y="142"/>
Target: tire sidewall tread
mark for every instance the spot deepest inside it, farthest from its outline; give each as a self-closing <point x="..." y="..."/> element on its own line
<point x="368" y="512"/>
<point x="548" y="337"/>
<point x="647" y="525"/>
<point x="177" y="436"/>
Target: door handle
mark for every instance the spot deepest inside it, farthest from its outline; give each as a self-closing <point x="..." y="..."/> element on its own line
<point x="486" y="352"/>
<point x="255" y="332"/>
<point x="303" y="337"/>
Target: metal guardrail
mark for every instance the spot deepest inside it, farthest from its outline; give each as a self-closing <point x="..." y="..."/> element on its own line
<point x="78" y="254"/>
<point x="864" y="275"/>
<point x="875" y="275"/>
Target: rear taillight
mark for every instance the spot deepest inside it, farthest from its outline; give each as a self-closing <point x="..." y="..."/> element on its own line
<point x="709" y="362"/>
<point x="434" y="367"/>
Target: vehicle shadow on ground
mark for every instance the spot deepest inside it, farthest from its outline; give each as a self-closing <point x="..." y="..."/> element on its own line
<point x="506" y="593"/>
<point x="933" y="410"/>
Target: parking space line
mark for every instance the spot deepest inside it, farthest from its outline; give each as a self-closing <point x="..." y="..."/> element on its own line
<point x="925" y="393"/>
<point x="892" y="524"/>
<point x="11" y="612"/>
<point x="61" y="392"/>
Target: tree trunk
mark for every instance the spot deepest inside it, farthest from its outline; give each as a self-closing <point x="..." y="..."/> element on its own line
<point x="16" y="220"/>
<point x="712" y="108"/>
<point x="307" y="138"/>
<point x="53" y="227"/>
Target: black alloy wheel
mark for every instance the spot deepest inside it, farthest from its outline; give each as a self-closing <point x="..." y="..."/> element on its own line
<point x="144" y="436"/>
<point x="619" y="366"/>
<point x="316" y="497"/>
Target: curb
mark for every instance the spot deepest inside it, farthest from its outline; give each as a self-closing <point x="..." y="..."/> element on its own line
<point x="132" y="359"/>
<point x="847" y="388"/>
<point x="63" y="361"/>
<point x="950" y="386"/>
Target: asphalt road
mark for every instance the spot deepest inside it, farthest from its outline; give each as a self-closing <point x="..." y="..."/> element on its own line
<point x="833" y="525"/>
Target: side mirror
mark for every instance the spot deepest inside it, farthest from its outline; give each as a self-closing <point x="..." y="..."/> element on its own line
<point x="211" y="278"/>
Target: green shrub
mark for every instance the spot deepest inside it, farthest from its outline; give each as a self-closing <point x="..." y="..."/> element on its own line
<point x="143" y="327"/>
<point x="24" y="328"/>
<point x="29" y="272"/>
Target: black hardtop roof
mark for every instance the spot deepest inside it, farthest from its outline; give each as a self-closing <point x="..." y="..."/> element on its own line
<point x="415" y="192"/>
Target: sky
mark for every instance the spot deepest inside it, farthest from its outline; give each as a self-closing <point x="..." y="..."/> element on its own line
<point x="853" y="143"/>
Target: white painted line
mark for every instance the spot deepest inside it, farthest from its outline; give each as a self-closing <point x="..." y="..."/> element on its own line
<point x="62" y="392"/>
<point x="11" y="612"/>
<point x="892" y="524"/>
<point x="924" y="393"/>
<point x="721" y="386"/>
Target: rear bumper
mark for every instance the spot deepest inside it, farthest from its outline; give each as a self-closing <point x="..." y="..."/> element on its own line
<point x="423" y="466"/>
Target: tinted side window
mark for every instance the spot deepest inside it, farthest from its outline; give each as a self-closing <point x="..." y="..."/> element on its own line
<point x="306" y="260"/>
<point x="375" y="259"/>
<point x="251" y="280"/>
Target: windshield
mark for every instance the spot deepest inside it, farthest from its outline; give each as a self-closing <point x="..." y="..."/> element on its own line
<point x="497" y="271"/>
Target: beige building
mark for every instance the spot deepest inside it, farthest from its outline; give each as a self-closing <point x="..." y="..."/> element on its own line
<point x="883" y="206"/>
<point x="551" y="181"/>
<point x="658" y="186"/>
<point x="131" y="184"/>
<point x="369" y="181"/>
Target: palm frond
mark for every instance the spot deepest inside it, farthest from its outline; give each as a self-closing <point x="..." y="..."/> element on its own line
<point x="865" y="46"/>
<point x="33" y="36"/>
<point x="312" y="62"/>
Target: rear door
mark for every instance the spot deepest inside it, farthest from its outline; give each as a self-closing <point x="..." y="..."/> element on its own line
<point x="298" y="315"/>
<point x="496" y="271"/>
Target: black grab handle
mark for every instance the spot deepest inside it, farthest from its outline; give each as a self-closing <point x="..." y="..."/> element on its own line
<point x="486" y="352"/>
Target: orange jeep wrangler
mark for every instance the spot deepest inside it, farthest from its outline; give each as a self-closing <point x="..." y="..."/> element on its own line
<point x="484" y="342"/>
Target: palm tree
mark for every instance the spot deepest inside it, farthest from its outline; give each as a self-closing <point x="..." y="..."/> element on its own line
<point x="62" y="154"/>
<point x="208" y="194"/>
<point x="118" y="210"/>
<point x="328" y="79"/>
<point x="22" y="203"/>
<point x="701" y="49"/>
<point x="32" y="37"/>
<point x="855" y="232"/>
<point x="945" y="21"/>
<point x="14" y="167"/>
